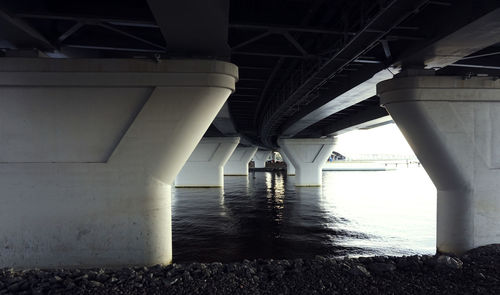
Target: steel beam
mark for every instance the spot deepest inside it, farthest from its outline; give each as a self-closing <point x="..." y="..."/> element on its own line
<point x="295" y="43"/>
<point x="251" y="40"/>
<point x="481" y="55"/>
<point x="90" y="19"/>
<point x="303" y="29"/>
<point x="481" y="32"/>
<point x="281" y="28"/>
<point x="475" y="66"/>
<point x="263" y="93"/>
<point x="121" y="32"/>
<point x="271" y="54"/>
<point x="388" y="18"/>
<point x="70" y="31"/>
<point x="20" y="34"/>
<point x="125" y="49"/>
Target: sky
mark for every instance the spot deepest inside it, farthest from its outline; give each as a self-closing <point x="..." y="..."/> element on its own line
<point x="386" y="139"/>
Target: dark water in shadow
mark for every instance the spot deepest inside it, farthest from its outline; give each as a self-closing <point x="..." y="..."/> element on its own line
<point x="265" y="216"/>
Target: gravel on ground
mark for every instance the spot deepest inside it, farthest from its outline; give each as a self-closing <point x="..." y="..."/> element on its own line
<point x="476" y="272"/>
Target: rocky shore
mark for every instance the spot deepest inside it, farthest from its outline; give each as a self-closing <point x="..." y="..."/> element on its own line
<point x="477" y="272"/>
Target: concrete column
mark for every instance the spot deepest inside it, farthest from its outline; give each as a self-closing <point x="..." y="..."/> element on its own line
<point x="453" y="126"/>
<point x="88" y="152"/>
<point x="308" y="155"/>
<point x="238" y="162"/>
<point x="290" y="169"/>
<point x="260" y="158"/>
<point x="205" y="166"/>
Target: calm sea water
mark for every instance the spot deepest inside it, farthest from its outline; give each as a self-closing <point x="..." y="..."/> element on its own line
<point x="265" y="216"/>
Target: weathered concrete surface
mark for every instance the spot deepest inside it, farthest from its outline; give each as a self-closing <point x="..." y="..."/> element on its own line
<point x="260" y="158"/>
<point x="238" y="162"/>
<point x="89" y="149"/>
<point x="290" y="169"/>
<point x="453" y="126"/>
<point x="308" y="156"/>
<point x="205" y="166"/>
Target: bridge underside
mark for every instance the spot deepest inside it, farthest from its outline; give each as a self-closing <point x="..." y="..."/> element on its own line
<point x="315" y="74"/>
<point x="102" y="107"/>
<point x="293" y="62"/>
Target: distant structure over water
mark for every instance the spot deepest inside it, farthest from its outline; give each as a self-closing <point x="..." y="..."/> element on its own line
<point x="381" y="157"/>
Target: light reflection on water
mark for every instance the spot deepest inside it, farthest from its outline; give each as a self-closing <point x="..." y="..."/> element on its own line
<point x="266" y="216"/>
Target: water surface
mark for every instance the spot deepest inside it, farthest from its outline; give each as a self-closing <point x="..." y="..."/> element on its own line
<point x="265" y="216"/>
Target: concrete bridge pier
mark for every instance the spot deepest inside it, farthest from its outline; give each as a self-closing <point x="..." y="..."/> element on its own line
<point x="290" y="169"/>
<point x="453" y="126"/>
<point x="308" y="156"/>
<point x="237" y="164"/>
<point x="205" y="166"/>
<point x="260" y="158"/>
<point x="88" y="153"/>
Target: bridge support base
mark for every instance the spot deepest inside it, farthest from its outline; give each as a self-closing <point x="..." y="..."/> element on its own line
<point x="260" y="158"/>
<point x="237" y="164"/>
<point x="290" y="169"/>
<point x="453" y="126"/>
<point x="89" y="150"/>
<point x="205" y="166"/>
<point x="308" y="155"/>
